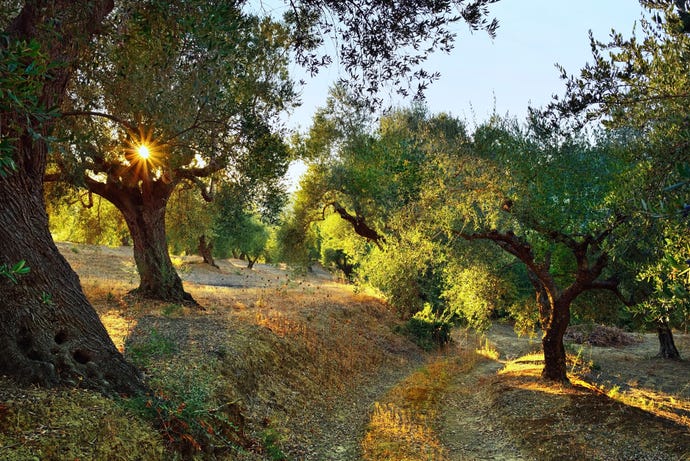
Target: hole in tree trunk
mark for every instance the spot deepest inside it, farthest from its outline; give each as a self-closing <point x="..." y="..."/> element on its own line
<point x="61" y="337"/>
<point x="82" y="356"/>
<point x="24" y="343"/>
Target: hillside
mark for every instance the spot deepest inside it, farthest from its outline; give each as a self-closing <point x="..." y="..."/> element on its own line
<point x="280" y="366"/>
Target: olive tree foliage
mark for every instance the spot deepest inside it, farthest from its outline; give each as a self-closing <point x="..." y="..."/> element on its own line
<point x="241" y="226"/>
<point x="23" y="66"/>
<point x="64" y="342"/>
<point x="481" y="283"/>
<point x="641" y="84"/>
<point x="340" y="250"/>
<point x="188" y="218"/>
<point x="80" y="217"/>
<point x="361" y="171"/>
<point x="340" y="148"/>
<point x="668" y="305"/>
<point x="381" y="43"/>
<point x="377" y="173"/>
<point x="407" y="273"/>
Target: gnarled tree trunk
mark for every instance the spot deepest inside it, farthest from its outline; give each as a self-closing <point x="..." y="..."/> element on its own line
<point x="667" y="347"/>
<point x="143" y="207"/>
<point x="554" y="326"/>
<point x="49" y="333"/>
<point x="206" y="251"/>
<point x="554" y="316"/>
<point x="158" y="277"/>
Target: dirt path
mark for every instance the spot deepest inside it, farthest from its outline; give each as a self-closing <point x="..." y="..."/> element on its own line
<point x="467" y="427"/>
<point x="468" y="430"/>
<point x="340" y="431"/>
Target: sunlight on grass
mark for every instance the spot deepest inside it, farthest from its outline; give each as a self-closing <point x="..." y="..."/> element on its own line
<point x="397" y="434"/>
<point x="488" y="350"/>
<point x="119" y="327"/>
<point x="61" y="424"/>
<point x="527" y="364"/>
<point x="672" y="407"/>
<point x="402" y="428"/>
<point x="117" y="315"/>
<point x="525" y="373"/>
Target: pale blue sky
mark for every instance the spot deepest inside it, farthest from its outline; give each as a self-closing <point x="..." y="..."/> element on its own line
<point x="515" y="69"/>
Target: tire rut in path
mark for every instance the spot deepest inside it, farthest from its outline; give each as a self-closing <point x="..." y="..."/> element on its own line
<point x="467" y="427"/>
<point x="341" y="430"/>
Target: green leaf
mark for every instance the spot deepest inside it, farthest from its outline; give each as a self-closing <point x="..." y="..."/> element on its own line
<point x="675" y="186"/>
<point x="21" y="268"/>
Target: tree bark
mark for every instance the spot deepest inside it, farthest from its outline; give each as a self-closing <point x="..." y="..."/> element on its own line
<point x="143" y="207"/>
<point x="206" y="251"/>
<point x="49" y="332"/>
<point x="667" y="347"/>
<point x="554" y="316"/>
<point x="555" y="368"/>
<point x="251" y="261"/>
<point x="158" y="278"/>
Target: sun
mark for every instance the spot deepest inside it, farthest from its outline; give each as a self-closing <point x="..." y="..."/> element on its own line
<point x="144" y="155"/>
<point x="143" y="151"/>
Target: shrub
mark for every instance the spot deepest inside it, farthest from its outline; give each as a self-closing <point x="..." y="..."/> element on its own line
<point x="427" y="329"/>
<point x="188" y="414"/>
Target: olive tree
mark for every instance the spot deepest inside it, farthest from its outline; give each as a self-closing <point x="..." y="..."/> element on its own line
<point x="533" y="197"/>
<point x="194" y="105"/>
<point x="641" y="84"/>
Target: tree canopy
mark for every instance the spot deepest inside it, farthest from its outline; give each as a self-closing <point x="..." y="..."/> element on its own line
<point x="639" y="85"/>
<point x="382" y="43"/>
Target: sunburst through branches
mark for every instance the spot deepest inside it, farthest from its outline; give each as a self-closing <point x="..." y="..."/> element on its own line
<point x="144" y="154"/>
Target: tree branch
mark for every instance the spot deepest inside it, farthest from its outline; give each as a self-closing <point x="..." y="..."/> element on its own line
<point x="206" y="192"/>
<point x="106" y="115"/>
<point x="358" y="223"/>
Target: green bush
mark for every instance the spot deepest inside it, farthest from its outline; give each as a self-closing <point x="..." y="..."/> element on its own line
<point x="427" y="329"/>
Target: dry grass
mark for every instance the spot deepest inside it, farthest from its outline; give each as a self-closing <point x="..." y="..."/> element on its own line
<point x="301" y="361"/>
<point x="281" y="352"/>
<point x="73" y="424"/>
<point x="583" y="421"/>
<point x="403" y="425"/>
